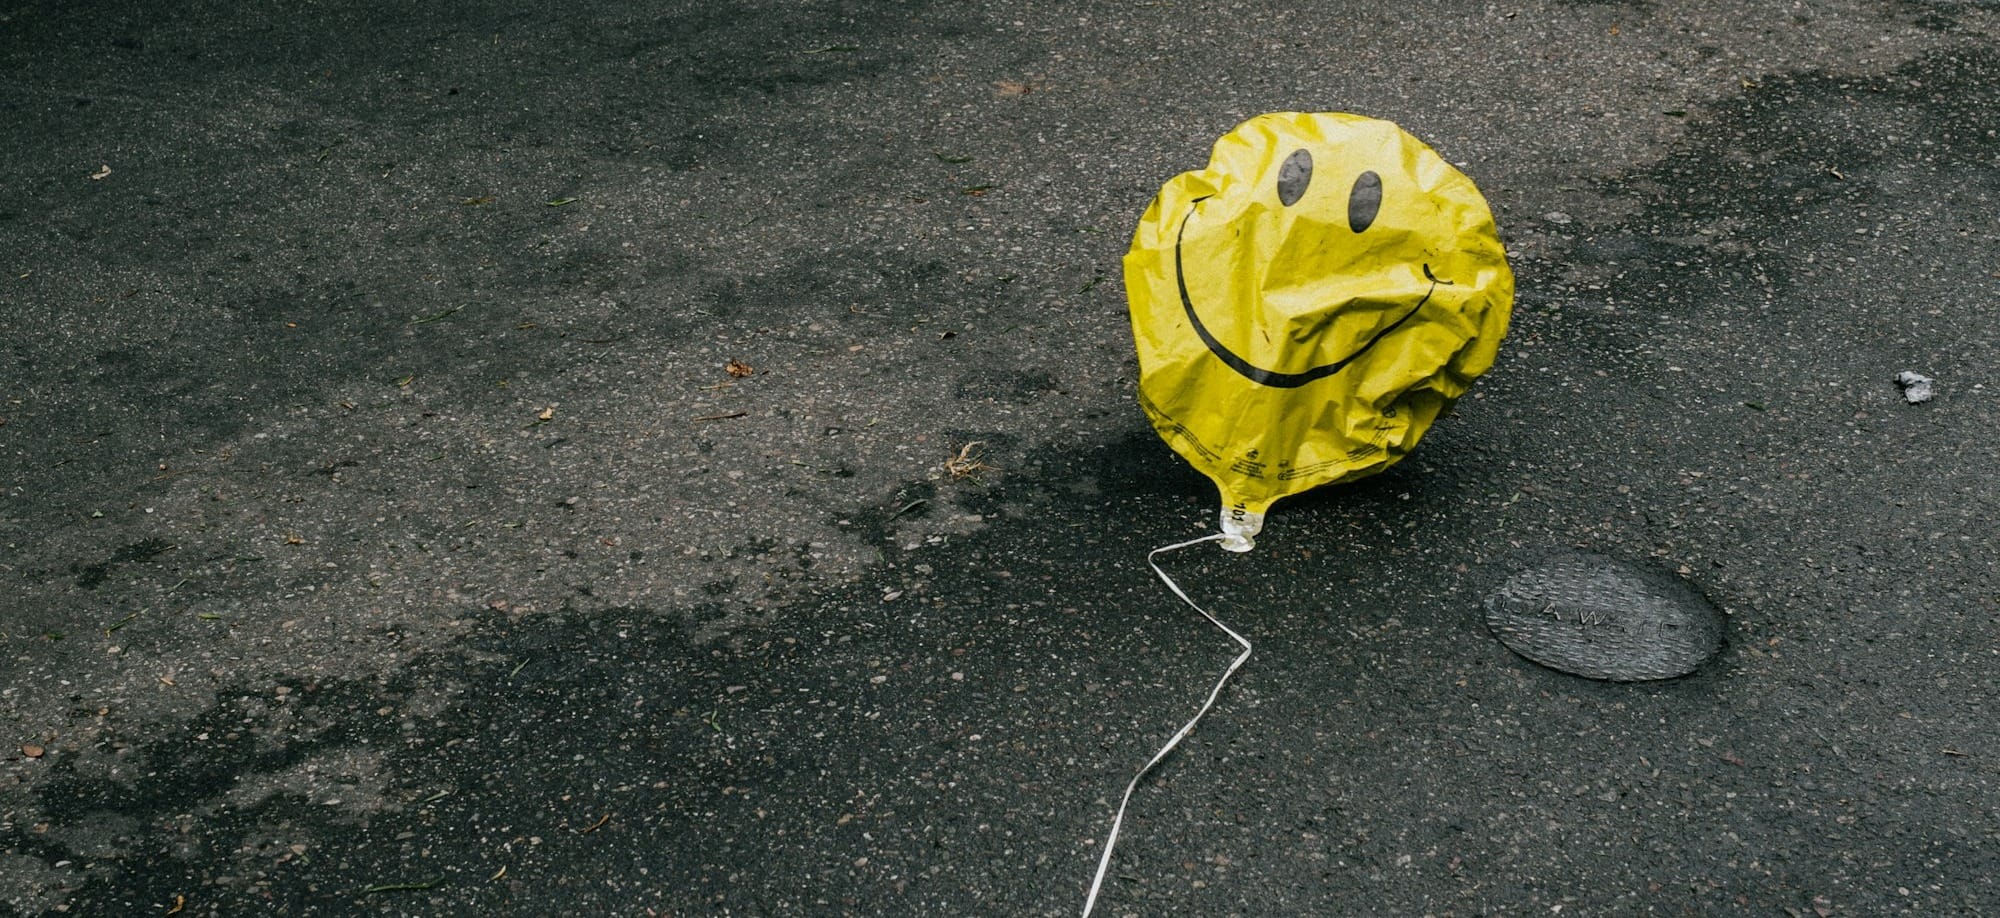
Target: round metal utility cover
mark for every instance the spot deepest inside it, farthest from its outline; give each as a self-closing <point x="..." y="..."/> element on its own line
<point x="1601" y="619"/>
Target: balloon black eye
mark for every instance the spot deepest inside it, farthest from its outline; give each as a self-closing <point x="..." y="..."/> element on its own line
<point x="1364" y="202"/>
<point x="1293" y="177"/>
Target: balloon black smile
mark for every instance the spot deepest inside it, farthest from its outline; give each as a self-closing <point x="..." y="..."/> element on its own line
<point x="1273" y="378"/>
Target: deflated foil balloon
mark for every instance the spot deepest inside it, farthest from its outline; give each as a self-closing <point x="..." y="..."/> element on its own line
<point x="1308" y="304"/>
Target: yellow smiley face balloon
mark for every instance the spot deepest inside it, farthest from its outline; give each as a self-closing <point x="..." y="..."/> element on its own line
<point x="1309" y="303"/>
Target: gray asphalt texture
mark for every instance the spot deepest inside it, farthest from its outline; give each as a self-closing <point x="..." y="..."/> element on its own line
<point x="384" y="534"/>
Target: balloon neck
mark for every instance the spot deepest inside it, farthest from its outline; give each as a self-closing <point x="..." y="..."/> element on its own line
<point x="1240" y="527"/>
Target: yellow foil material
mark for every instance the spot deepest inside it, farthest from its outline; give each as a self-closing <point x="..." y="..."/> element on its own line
<point x="1309" y="303"/>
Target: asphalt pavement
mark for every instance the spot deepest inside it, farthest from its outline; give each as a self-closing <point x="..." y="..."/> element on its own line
<point x="682" y="458"/>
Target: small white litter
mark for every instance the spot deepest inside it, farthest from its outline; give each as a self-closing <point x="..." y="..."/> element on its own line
<point x="1916" y="387"/>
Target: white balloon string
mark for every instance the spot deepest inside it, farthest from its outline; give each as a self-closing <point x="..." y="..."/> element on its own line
<point x="1110" y="842"/>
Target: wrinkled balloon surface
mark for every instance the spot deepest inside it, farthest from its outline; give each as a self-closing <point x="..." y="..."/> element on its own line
<point x="1308" y="304"/>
